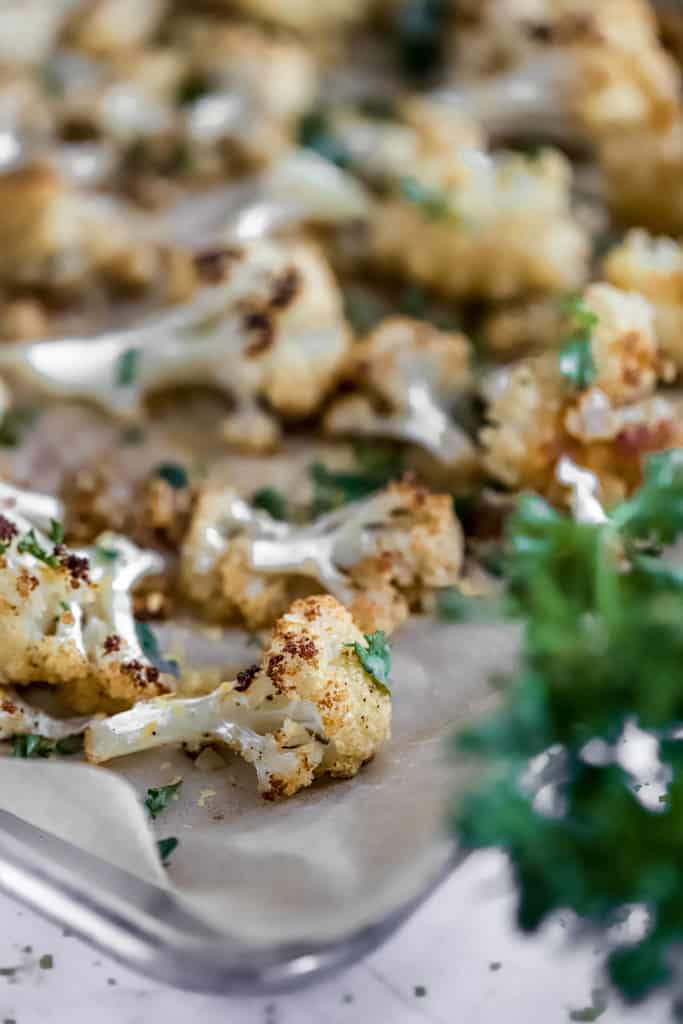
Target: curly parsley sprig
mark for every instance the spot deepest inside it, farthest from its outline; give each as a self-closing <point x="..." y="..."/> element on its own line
<point x="603" y="646"/>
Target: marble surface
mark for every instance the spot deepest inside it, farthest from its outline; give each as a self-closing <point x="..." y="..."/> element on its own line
<point x="457" y="961"/>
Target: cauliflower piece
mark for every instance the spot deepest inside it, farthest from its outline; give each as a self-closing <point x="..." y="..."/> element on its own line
<point x="106" y="27"/>
<point x="517" y="328"/>
<point x="536" y="417"/>
<point x="380" y="556"/>
<point x="274" y="329"/>
<point x="653" y="267"/>
<point x="417" y="372"/>
<point x="643" y="172"/>
<point x="66" y="616"/>
<point x="56" y="238"/>
<point x="307" y="17"/>
<point x="309" y="709"/>
<point x="18" y="718"/>
<point x="505" y="230"/>
<point x="602" y="62"/>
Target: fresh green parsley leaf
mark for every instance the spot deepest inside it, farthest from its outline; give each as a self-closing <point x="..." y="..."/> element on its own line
<point x="64" y="606"/>
<point x="375" y="658"/>
<point x="31" y="745"/>
<point x="56" y="532"/>
<point x="70" y="745"/>
<point x="173" y="474"/>
<point x="271" y="501"/>
<point x="29" y="545"/>
<point x="17" y="422"/>
<point x="127" y="368"/>
<point x="434" y="204"/>
<point x="150" y="648"/>
<point x="316" y="132"/>
<point x="158" y="799"/>
<point x="166" y="848"/>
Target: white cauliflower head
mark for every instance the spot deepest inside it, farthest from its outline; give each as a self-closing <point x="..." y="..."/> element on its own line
<point x="66" y="616"/>
<point x="380" y="555"/>
<point x="309" y="709"/>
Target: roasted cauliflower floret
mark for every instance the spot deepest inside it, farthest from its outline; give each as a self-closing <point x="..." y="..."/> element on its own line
<point x="309" y="709"/>
<point x="380" y="556"/>
<point x="66" y="616"/>
<point x="273" y="329"/>
<point x="518" y="328"/>
<point x="57" y="239"/>
<point x="305" y="16"/>
<point x="18" y="718"/>
<point x="107" y="27"/>
<point x="506" y="230"/>
<point x="609" y="66"/>
<point x="539" y="411"/>
<point x="643" y="172"/>
<point x="409" y="374"/>
<point x="653" y="267"/>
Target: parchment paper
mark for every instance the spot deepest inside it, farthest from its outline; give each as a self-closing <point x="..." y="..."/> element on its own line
<point x="317" y="866"/>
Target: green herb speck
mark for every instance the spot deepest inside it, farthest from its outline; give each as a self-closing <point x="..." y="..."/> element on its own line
<point x="127" y="367"/>
<point x="158" y="799"/>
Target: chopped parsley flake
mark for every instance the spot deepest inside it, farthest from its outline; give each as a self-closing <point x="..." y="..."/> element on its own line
<point x="29" y="545"/>
<point x="576" y="355"/>
<point x="316" y="132"/>
<point x="31" y="745"/>
<point x="434" y="204"/>
<point x="108" y="554"/>
<point x="594" y="1011"/>
<point x="454" y="606"/>
<point x="70" y="745"/>
<point x="127" y="367"/>
<point x="56" y="532"/>
<point x="271" y="501"/>
<point x="375" y="658"/>
<point x="378" y="464"/>
<point x="158" y="799"/>
<point x="16" y="422"/>
<point x="150" y="648"/>
<point x="46" y="962"/>
<point x="174" y="474"/>
<point x="166" y="848"/>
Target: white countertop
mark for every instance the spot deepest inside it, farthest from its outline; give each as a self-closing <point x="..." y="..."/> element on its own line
<point x="457" y="961"/>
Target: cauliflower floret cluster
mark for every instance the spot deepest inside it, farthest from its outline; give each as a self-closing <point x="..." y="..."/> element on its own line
<point x="605" y="418"/>
<point x="381" y="556"/>
<point x="653" y="267"/>
<point x="507" y="229"/>
<point x="273" y="329"/>
<point x="309" y="709"/>
<point x="66" y="616"/>
<point x="409" y="374"/>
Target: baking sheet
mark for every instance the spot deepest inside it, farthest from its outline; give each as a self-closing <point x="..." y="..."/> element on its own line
<point x="317" y="866"/>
